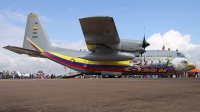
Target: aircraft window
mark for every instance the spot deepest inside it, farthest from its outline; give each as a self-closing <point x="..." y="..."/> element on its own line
<point x="180" y="55"/>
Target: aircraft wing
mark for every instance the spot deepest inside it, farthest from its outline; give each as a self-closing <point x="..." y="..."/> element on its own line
<point x="99" y="31"/>
<point x="19" y="50"/>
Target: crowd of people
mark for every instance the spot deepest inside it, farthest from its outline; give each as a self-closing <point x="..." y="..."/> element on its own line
<point x="17" y="75"/>
<point x="8" y="75"/>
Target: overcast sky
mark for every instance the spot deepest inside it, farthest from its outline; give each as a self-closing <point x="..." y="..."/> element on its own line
<point x="174" y="22"/>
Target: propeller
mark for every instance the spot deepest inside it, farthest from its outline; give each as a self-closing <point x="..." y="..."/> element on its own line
<point x="144" y="45"/>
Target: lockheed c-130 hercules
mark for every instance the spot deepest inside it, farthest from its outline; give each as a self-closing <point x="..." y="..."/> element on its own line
<point x="107" y="55"/>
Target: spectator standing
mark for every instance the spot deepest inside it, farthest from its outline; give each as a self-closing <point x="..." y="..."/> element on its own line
<point x="190" y="74"/>
<point x="51" y="76"/>
<point x="4" y="75"/>
<point x="12" y="75"/>
<point x="196" y="73"/>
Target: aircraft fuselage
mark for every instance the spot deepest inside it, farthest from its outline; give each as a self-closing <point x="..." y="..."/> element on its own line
<point x="155" y="62"/>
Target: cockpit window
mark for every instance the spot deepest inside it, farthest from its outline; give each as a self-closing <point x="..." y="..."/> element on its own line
<point x="180" y="55"/>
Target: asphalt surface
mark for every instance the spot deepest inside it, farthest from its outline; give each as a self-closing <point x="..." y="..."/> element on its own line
<point x="100" y="95"/>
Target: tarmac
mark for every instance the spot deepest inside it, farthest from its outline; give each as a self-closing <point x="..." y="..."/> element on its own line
<point x="100" y="95"/>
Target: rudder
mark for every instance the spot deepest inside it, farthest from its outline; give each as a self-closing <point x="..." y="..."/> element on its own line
<point x="36" y="33"/>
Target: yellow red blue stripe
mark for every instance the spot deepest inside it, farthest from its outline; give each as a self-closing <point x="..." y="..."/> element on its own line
<point x="74" y="62"/>
<point x="37" y="48"/>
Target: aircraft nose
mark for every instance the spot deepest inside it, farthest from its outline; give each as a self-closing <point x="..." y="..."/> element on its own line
<point x="191" y="65"/>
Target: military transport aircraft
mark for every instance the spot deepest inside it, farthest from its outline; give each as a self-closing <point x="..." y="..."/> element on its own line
<point x="107" y="55"/>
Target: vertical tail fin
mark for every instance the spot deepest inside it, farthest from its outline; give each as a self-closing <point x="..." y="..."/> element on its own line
<point x="36" y="33"/>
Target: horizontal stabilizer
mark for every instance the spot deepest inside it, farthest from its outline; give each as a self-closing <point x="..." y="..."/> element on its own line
<point x="19" y="50"/>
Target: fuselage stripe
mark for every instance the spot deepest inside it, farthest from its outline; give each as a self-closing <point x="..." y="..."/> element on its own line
<point x="80" y="65"/>
<point x="86" y="66"/>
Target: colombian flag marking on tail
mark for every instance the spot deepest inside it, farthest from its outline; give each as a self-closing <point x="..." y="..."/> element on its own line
<point x="35" y="28"/>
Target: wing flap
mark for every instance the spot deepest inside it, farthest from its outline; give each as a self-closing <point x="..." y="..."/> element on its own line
<point x="19" y="50"/>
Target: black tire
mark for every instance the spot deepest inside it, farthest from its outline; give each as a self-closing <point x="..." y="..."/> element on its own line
<point x="116" y="76"/>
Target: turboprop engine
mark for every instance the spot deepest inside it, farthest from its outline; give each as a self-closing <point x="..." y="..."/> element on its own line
<point x="132" y="46"/>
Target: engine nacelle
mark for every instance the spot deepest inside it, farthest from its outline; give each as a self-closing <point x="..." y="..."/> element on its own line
<point x="131" y="46"/>
<point x="128" y="46"/>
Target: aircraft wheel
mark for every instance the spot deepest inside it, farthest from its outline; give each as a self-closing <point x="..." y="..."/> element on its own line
<point x="119" y="77"/>
<point x="103" y="76"/>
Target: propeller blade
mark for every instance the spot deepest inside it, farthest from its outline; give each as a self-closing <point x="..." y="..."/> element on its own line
<point x="144" y="43"/>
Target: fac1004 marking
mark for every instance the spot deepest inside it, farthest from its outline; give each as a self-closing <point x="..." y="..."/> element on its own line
<point x="139" y="65"/>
